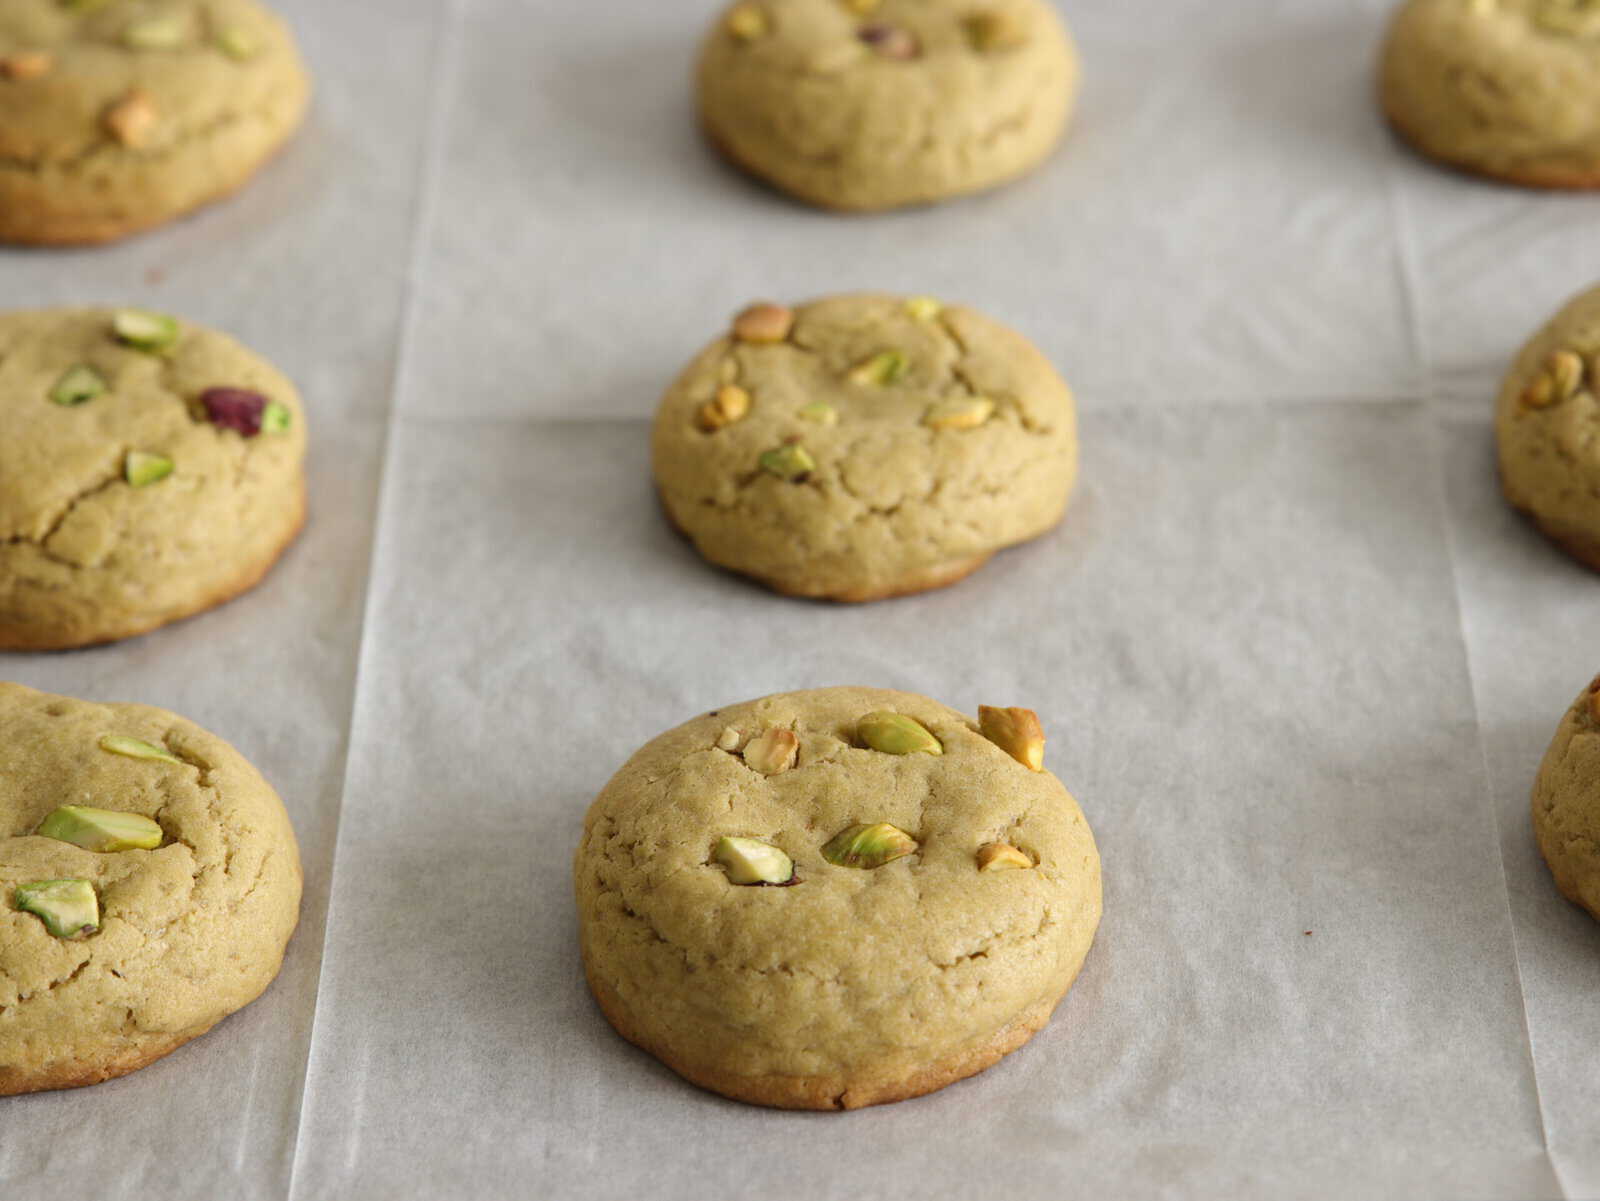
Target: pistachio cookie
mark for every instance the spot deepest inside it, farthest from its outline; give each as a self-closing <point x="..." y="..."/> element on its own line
<point x="1566" y="802"/>
<point x="1505" y="88"/>
<point x="872" y="104"/>
<point x="835" y="898"/>
<point x="864" y="446"/>
<point x="149" y="469"/>
<point x="117" y="115"/>
<point x="1547" y="424"/>
<point x="149" y="882"/>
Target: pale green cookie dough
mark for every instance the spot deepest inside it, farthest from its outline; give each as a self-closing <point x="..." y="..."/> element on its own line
<point x="1566" y="802"/>
<point x="849" y="985"/>
<point x="1547" y="426"/>
<point x="872" y="104"/>
<point x="119" y="115"/>
<point x="88" y="556"/>
<point x="886" y="445"/>
<point x="1505" y="88"/>
<point x="188" y="932"/>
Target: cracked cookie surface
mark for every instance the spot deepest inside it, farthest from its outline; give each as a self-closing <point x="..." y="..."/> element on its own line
<point x="858" y="105"/>
<point x="851" y="987"/>
<point x="934" y="435"/>
<point x="86" y="556"/>
<point x="189" y="932"/>
<point x="118" y="116"/>
<point x="1504" y="88"/>
<point x="1547" y="429"/>
<point x="1566" y="802"/>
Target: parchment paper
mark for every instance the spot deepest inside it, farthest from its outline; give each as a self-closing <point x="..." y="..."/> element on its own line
<point x="1296" y="659"/>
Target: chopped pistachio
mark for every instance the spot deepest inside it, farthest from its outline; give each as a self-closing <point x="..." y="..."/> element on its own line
<point x="819" y="411"/>
<point x="276" y="418"/>
<point x="84" y="6"/>
<point x="897" y="734"/>
<point x="156" y="33"/>
<point x="788" y="462"/>
<point x="924" y="308"/>
<point x="868" y="846"/>
<point x="143" y="469"/>
<point x="750" y="861"/>
<point x="238" y="44"/>
<point x="988" y="31"/>
<point x="747" y="22"/>
<point x="145" y="330"/>
<point x="78" y="385"/>
<point x="1540" y="392"/>
<point x="68" y="908"/>
<point x="132" y="120"/>
<point x="1565" y="368"/>
<point x="891" y="41"/>
<point x="732" y="739"/>
<point x="134" y="748"/>
<point x="962" y="413"/>
<point x="101" y="830"/>
<point x="772" y="751"/>
<point x="999" y="856"/>
<point x="884" y="368"/>
<point x="764" y="323"/>
<point x="27" y="64"/>
<point x="1017" y="732"/>
<point x="730" y="404"/>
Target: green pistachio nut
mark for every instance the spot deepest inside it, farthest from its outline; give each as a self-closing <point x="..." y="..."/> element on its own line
<point x="882" y="369"/>
<point x="924" y="308"/>
<point x="68" y="908"/>
<point x="819" y="411"/>
<point x="134" y="748"/>
<point x="238" y="44"/>
<point x="79" y="385"/>
<point x="156" y="33"/>
<point x="144" y="330"/>
<point x="143" y="469"/>
<point x="276" y="418"/>
<point x="791" y="462"/>
<point x="103" y="831"/>
<point x="868" y="846"/>
<point x="897" y="734"/>
<point x="750" y="861"/>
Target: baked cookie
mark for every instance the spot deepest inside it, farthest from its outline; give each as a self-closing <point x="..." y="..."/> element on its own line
<point x="117" y="115"/>
<point x="1505" y="88"/>
<point x="1547" y="426"/>
<point x="1566" y="802"/>
<point x="864" y="446"/>
<point x="149" y="469"/>
<point x="872" y="104"/>
<point x="149" y="881"/>
<point x="835" y="898"/>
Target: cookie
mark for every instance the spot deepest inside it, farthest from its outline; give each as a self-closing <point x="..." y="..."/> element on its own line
<point x="1566" y="802"/>
<point x="118" y="115"/>
<point x="1503" y="88"/>
<point x="149" y="469"/>
<point x="1546" y="422"/>
<point x="864" y="446"/>
<point x="149" y="882"/>
<point x="873" y="104"/>
<point x="835" y="898"/>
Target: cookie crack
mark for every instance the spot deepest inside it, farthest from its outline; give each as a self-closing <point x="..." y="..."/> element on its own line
<point x="106" y="478"/>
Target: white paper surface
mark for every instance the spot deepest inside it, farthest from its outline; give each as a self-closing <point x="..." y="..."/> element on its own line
<point x="1296" y="659"/>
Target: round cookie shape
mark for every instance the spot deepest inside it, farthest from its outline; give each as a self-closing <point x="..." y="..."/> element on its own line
<point x="184" y="932"/>
<point x="874" y="104"/>
<point x="119" y="115"/>
<point x="864" y="446"/>
<point x="940" y="906"/>
<point x="1504" y="88"/>
<point x="1566" y="802"/>
<point x="138" y="483"/>
<point x="1546" y="423"/>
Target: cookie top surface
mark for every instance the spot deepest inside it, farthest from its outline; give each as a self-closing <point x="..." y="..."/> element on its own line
<point x="1508" y="88"/>
<point x="1566" y="802"/>
<point x="87" y="554"/>
<point x="855" y="975"/>
<point x="879" y="438"/>
<point x="118" y="114"/>
<point x="858" y="104"/>
<point x="189" y="931"/>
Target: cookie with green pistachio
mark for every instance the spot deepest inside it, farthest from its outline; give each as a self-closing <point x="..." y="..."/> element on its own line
<point x="118" y="115"/>
<point x="895" y="902"/>
<point x="130" y="925"/>
<point x="150" y="469"/>
<point x="864" y="446"/>
<point x="873" y="104"/>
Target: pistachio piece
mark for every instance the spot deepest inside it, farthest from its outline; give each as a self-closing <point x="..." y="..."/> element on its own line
<point x="101" y="830"/>
<point x="924" y="308"/>
<point x="156" y="33"/>
<point x="732" y="739"/>
<point x="897" y="734"/>
<point x="1540" y="392"/>
<point x="28" y="64"/>
<point x="882" y="369"/>
<point x="141" y="469"/>
<point x="999" y="856"/>
<point x="238" y="44"/>
<point x="132" y="119"/>
<point x="144" y="330"/>
<point x="890" y="41"/>
<point x="764" y="323"/>
<point x="962" y="413"/>
<point x="134" y="748"/>
<point x="1565" y="368"/>
<point x="730" y="404"/>
<point x="868" y="846"/>
<point x="747" y="22"/>
<point x="276" y="418"/>
<point x="772" y="751"/>
<point x="989" y="31"/>
<point x="819" y="411"/>
<point x="789" y="462"/>
<point x="78" y="385"/>
<point x="84" y="6"/>
<point x="68" y="908"/>
<point x="1017" y="732"/>
<point x="750" y="861"/>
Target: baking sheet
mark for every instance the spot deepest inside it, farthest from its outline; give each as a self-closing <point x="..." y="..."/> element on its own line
<point x="1296" y="660"/>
